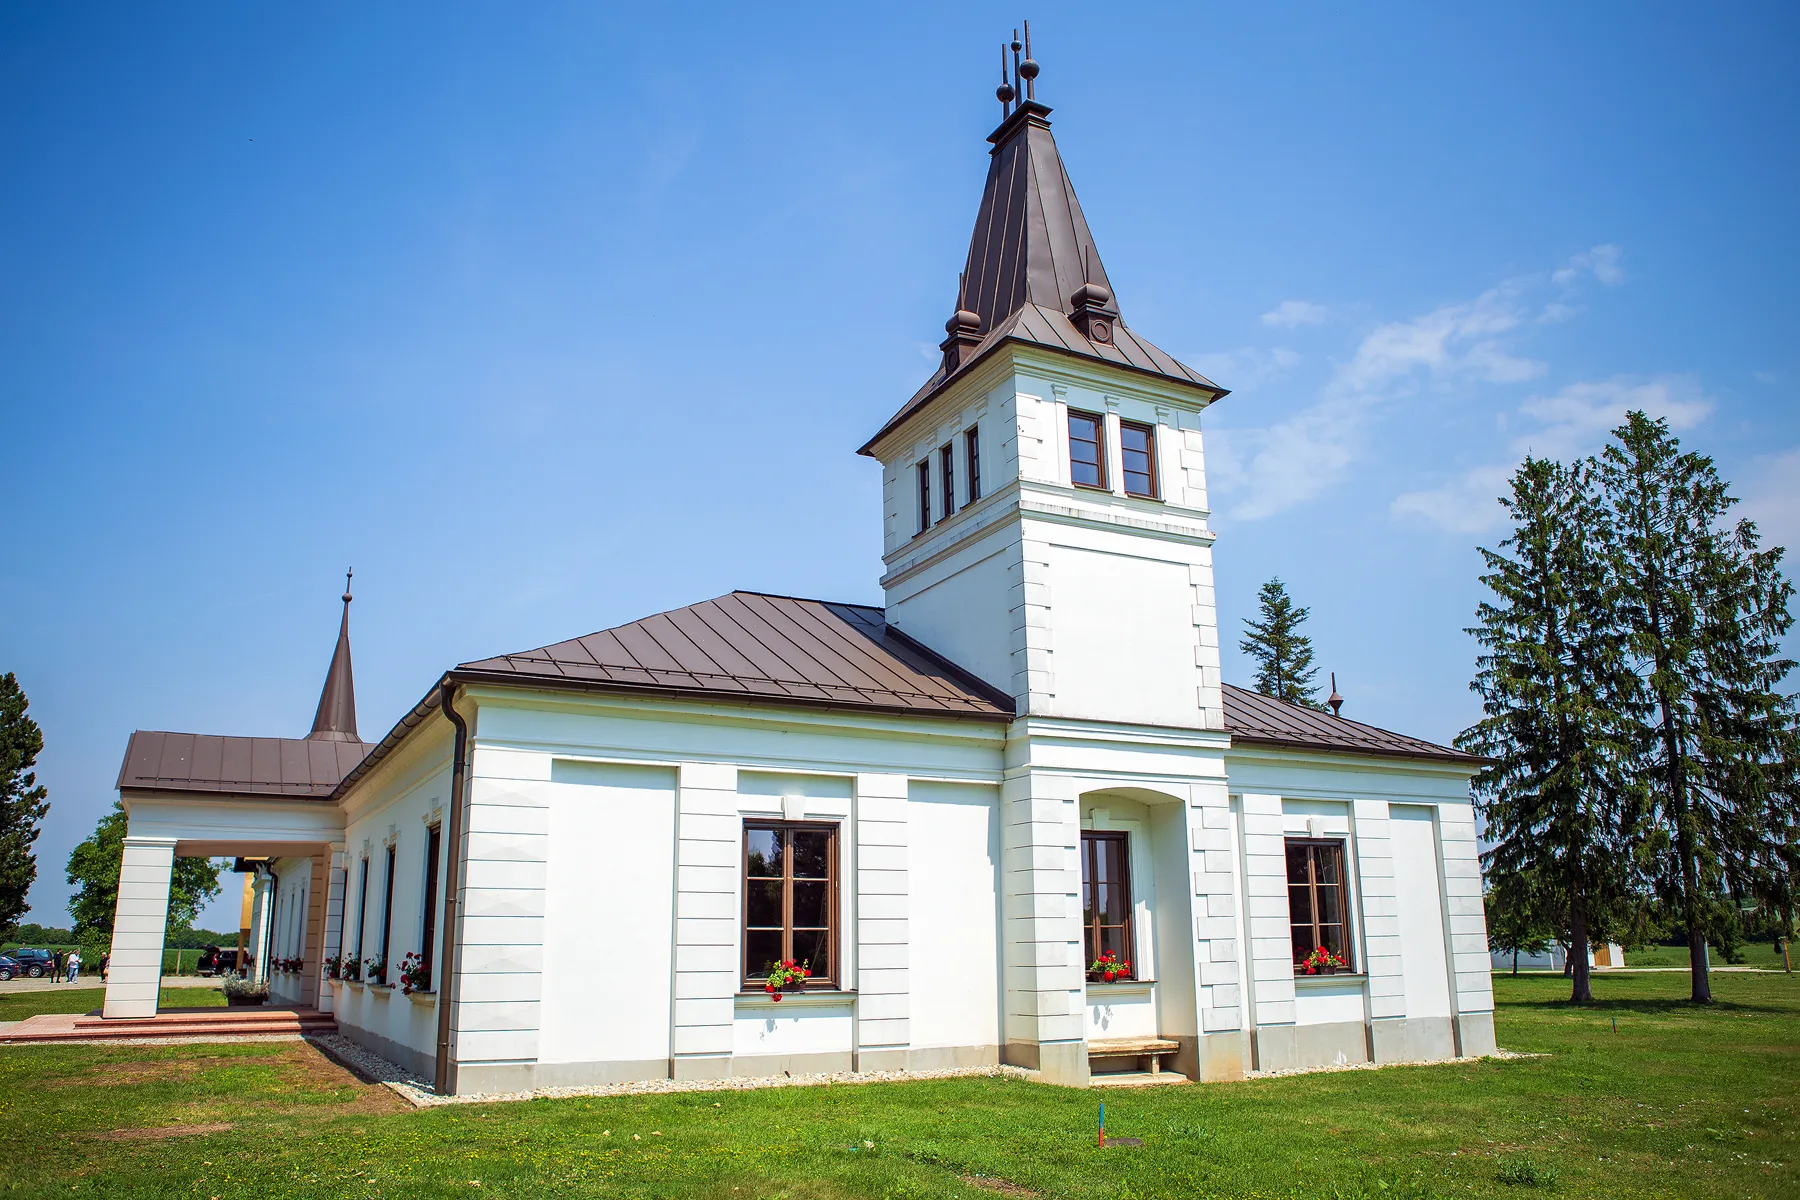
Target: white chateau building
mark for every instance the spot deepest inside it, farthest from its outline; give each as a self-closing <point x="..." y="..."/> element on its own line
<point x="948" y="807"/>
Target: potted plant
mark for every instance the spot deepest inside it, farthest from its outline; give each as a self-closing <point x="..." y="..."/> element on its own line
<point x="1322" y="962"/>
<point x="413" y="975"/>
<point x="244" y="992"/>
<point x="787" y="974"/>
<point x="375" y="971"/>
<point x="1108" y="969"/>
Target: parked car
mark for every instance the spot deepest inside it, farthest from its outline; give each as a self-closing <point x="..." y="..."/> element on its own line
<point x="35" y="963"/>
<point x="214" y="961"/>
<point x="9" y="968"/>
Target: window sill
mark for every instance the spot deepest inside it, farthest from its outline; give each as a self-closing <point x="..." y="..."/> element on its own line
<point x="811" y="998"/>
<point x="349" y="983"/>
<point x="1092" y="487"/>
<point x="424" y="999"/>
<point x="1144" y="496"/>
<point x="1119" y="987"/>
<point x="383" y="988"/>
<point x="1312" y="981"/>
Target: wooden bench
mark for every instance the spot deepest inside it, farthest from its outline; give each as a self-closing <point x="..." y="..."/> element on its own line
<point x="1139" y="1048"/>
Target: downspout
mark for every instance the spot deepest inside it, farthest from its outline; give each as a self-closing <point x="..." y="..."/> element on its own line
<point x="444" y="1076"/>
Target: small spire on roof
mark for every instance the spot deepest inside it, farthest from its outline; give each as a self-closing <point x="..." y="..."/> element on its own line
<point x="335" y="720"/>
<point x="1336" y="701"/>
<point x="1004" y="93"/>
<point x="1028" y="70"/>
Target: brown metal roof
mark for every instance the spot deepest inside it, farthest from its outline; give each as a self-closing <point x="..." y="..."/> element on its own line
<point x="754" y="646"/>
<point x="1254" y="719"/>
<point x="299" y="768"/>
<point x="1030" y="253"/>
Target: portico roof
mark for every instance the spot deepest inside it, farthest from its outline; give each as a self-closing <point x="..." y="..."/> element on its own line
<point x="299" y="768"/>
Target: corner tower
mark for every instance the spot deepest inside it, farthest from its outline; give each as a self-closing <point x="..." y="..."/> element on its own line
<point x="1045" y="513"/>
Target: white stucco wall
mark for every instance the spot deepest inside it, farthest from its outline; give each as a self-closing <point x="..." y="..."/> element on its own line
<point x="609" y="913"/>
<point x="954" y="887"/>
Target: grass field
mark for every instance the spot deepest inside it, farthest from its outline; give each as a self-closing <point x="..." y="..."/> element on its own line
<point x="1679" y="1102"/>
<point x="16" y="1006"/>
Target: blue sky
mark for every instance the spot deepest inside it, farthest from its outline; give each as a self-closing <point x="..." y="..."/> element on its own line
<point x="546" y="319"/>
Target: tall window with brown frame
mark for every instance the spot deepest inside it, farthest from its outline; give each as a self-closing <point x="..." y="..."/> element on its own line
<point x="1137" y="453"/>
<point x="972" y="445"/>
<point x="434" y="841"/>
<point x="946" y="482"/>
<point x="924" y="495"/>
<point x="1087" y="449"/>
<point x="1106" y="897"/>
<point x="1318" y="900"/>
<point x="790" y="899"/>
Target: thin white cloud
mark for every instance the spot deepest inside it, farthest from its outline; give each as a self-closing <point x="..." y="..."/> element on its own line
<point x="1565" y="424"/>
<point x="1771" y="498"/>
<point x="1290" y="313"/>
<point x="1264" y="471"/>
<point x="1602" y="262"/>
<point x="1763" y="376"/>
<point x="1246" y="366"/>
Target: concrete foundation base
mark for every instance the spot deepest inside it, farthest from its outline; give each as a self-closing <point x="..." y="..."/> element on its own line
<point x="1412" y="1039"/>
<point x="1220" y="1057"/>
<point x="1061" y="1063"/>
<point x="1475" y="1034"/>
<point x="1289" y="1047"/>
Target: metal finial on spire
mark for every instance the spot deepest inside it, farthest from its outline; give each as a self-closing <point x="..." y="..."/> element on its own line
<point x="349" y="572"/>
<point x="1017" y="45"/>
<point x="1336" y="701"/>
<point x="1005" y="91"/>
<point x="1028" y="70"/>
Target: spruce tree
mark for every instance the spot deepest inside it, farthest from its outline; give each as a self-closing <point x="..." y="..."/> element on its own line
<point x="1283" y="654"/>
<point x="1704" y="608"/>
<point x="23" y="800"/>
<point x="1557" y="796"/>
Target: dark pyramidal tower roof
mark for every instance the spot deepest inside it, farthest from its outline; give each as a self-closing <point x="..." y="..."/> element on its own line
<point x="1033" y="272"/>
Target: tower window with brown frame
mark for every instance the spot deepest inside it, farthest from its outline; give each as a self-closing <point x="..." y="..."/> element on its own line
<point x="924" y="470"/>
<point x="1087" y="449"/>
<point x="1318" y="899"/>
<point x="1106" y="897"/>
<point x="1137" y="453"/>
<point x="790" y="899"/>
<point x="946" y="482"/>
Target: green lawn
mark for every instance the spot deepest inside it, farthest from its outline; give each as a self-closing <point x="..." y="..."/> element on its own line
<point x="1678" y="1102"/>
<point x="1756" y="954"/>
<point x="16" y="1006"/>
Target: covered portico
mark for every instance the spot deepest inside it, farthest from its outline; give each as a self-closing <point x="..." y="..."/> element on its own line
<point x="165" y="826"/>
<point x="191" y="795"/>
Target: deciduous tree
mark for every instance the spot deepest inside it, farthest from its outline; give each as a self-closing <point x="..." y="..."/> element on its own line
<point x="94" y="870"/>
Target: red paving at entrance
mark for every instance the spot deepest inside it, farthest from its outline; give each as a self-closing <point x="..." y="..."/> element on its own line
<point x="224" y="1024"/>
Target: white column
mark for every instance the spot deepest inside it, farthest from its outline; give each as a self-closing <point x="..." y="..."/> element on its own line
<point x="262" y="899"/>
<point x="334" y="919"/>
<point x="1218" y="974"/>
<point x="1041" y="898"/>
<point x="882" y="956"/>
<point x="708" y="833"/>
<point x="134" y="970"/>
<point x="1265" y="889"/>
<point x="1472" y="997"/>
<point x="496" y="1019"/>
<point x="1380" y="910"/>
